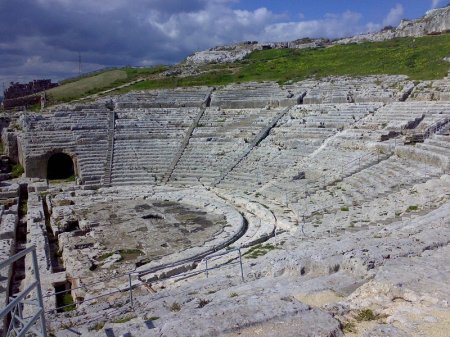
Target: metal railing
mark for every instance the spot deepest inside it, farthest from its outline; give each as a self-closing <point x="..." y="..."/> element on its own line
<point x="129" y="284"/>
<point x="19" y="325"/>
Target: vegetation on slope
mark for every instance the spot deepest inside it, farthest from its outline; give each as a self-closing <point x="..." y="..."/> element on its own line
<point x="419" y="58"/>
<point x="85" y="86"/>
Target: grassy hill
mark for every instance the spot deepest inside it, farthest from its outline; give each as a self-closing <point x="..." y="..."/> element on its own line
<point x="418" y="58"/>
<point x="99" y="82"/>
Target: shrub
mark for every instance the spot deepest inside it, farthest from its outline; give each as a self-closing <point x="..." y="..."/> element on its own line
<point x="68" y="300"/>
<point x="98" y="326"/>
<point x="17" y="171"/>
<point x="366" y="315"/>
<point x="259" y="250"/>
<point x="412" y="208"/>
<point x="175" y="307"/>
<point x="124" y="319"/>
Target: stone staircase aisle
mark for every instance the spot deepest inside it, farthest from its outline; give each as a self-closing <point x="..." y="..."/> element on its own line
<point x="106" y="179"/>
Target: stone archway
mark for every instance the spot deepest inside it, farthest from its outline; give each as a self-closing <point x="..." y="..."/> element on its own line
<point x="60" y="166"/>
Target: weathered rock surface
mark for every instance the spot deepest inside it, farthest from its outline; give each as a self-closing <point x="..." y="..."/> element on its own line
<point x="435" y="21"/>
<point x="336" y="193"/>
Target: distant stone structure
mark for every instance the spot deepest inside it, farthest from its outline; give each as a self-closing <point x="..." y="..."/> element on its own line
<point x="18" y="94"/>
<point x="434" y="22"/>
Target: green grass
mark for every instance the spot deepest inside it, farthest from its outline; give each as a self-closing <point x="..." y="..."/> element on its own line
<point x="349" y="327"/>
<point x="124" y="319"/>
<point x="412" y="208"/>
<point x="127" y="254"/>
<point x="344" y="209"/>
<point x="419" y="58"/>
<point x="105" y="256"/>
<point x="68" y="300"/>
<point x="98" y="326"/>
<point x="17" y="170"/>
<point x="99" y="82"/>
<point x="85" y="86"/>
<point x="130" y="254"/>
<point x="259" y="250"/>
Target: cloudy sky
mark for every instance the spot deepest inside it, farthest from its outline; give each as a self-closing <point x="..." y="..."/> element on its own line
<point x="43" y="38"/>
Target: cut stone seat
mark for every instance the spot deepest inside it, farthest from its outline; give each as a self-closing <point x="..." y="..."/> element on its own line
<point x="122" y="160"/>
<point x="442" y="138"/>
<point x="147" y="177"/>
<point x="90" y="178"/>
<point x="157" y="144"/>
<point x="436" y="148"/>
<point x="88" y="155"/>
<point x="92" y="169"/>
<point x="185" y="181"/>
<point x="306" y="133"/>
<point x="368" y="180"/>
<point x="130" y="166"/>
<point x="50" y="138"/>
<point x="91" y="150"/>
<point x="134" y="182"/>
<point x="207" y="172"/>
<point x="134" y="174"/>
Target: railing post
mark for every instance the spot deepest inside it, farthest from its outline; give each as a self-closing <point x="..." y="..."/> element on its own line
<point x="39" y="291"/>
<point x="240" y="262"/>
<point x="131" y="290"/>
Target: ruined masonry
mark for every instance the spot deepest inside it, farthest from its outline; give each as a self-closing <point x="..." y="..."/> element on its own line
<point x="336" y="191"/>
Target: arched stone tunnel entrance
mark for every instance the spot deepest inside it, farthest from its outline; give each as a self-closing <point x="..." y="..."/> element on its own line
<point x="60" y="166"/>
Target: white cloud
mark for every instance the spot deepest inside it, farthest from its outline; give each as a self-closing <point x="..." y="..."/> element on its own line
<point x="435" y="3"/>
<point x="331" y="26"/>
<point x="394" y="16"/>
<point x="146" y="32"/>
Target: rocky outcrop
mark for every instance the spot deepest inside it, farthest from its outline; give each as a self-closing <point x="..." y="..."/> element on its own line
<point x="237" y="52"/>
<point x="435" y="22"/>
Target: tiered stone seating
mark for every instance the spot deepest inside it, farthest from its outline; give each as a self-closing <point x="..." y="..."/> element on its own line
<point x="395" y="117"/>
<point x="438" y="90"/>
<point x="436" y="115"/>
<point x="384" y="209"/>
<point x="300" y="132"/>
<point x="83" y="134"/>
<point x="218" y="141"/>
<point x="434" y="151"/>
<point x="146" y="142"/>
<point x="169" y="98"/>
<point x="261" y="222"/>
<point x="255" y="95"/>
<point x="410" y="118"/>
<point x="388" y="176"/>
<point x="328" y="164"/>
<point x="346" y="90"/>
